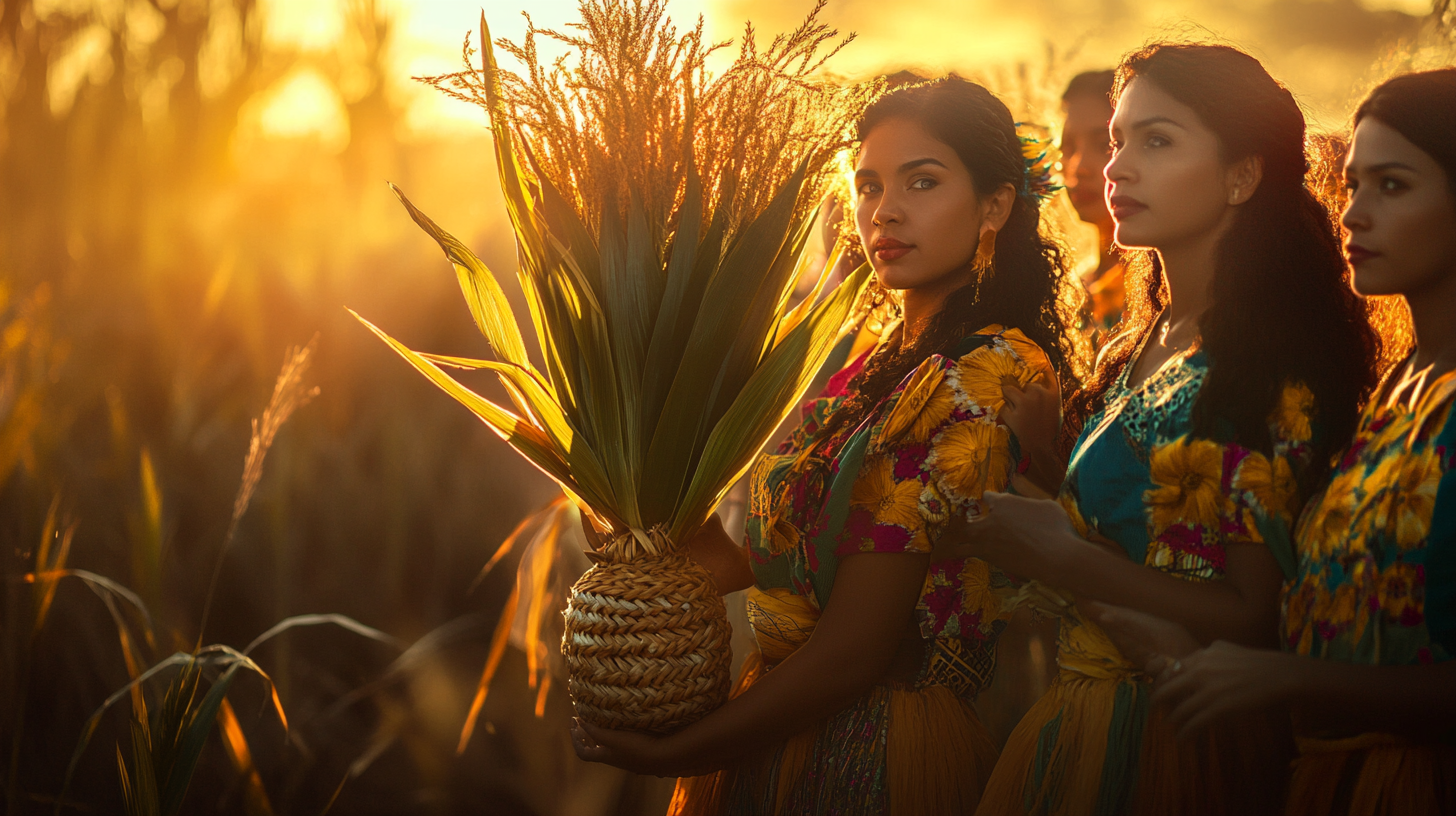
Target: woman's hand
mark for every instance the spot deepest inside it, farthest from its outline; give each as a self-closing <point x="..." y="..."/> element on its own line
<point x="639" y="753"/>
<point x="1034" y="415"/>
<point x="721" y="556"/>
<point x="1154" y="643"/>
<point x="1022" y="536"/>
<point x="1224" y="679"/>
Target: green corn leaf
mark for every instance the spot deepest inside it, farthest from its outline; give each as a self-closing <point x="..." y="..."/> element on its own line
<point x="526" y="438"/>
<point x="797" y="314"/>
<point x="758" y="323"/>
<point x="707" y="358"/>
<point x="512" y="175"/>
<point x="768" y="397"/>
<point x="629" y="267"/>
<point x="689" y="266"/>
<point x="484" y="296"/>
<point x="584" y="463"/>
<point x="566" y="226"/>
<point x="597" y="383"/>
<point x="550" y="317"/>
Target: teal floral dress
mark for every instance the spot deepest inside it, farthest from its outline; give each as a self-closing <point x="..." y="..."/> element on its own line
<point x="1376" y="585"/>
<point x="1139" y="483"/>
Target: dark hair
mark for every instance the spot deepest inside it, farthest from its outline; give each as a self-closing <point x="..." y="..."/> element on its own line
<point x="1091" y="83"/>
<point x="1422" y="108"/>
<point x="1028" y="286"/>
<point x="1281" y="307"/>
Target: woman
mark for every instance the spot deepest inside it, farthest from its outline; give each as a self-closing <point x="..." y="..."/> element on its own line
<point x="1369" y="622"/>
<point x="859" y="700"/>
<point x="1245" y="355"/>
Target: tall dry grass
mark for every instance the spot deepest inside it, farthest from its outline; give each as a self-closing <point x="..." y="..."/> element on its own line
<point x="156" y="260"/>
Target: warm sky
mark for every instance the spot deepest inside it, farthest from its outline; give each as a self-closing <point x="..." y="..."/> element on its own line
<point x="1324" y="49"/>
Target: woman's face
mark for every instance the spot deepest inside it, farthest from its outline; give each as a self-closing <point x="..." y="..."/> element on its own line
<point x="1167" y="184"/>
<point x="1401" y="216"/>
<point x="918" y="214"/>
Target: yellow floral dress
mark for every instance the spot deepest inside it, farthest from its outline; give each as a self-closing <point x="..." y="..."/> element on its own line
<point x="1139" y="481"/>
<point x="1377" y="586"/>
<point x="888" y="485"/>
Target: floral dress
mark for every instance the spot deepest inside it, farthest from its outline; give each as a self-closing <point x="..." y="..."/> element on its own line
<point x="1377" y="585"/>
<point x="1140" y="483"/>
<point x="888" y="485"/>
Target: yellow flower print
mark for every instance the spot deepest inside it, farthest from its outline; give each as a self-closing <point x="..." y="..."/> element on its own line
<point x="933" y="506"/>
<point x="972" y="457"/>
<point x="1398" y="592"/>
<point x="1074" y="513"/>
<point x="924" y="404"/>
<point x="1409" y="484"/>
<point x="1292" y="416"/>
<point x="1272" y="483"/>
<point x="1330" y="521"/>
<point x="888" y="501"/>
<point x="1361" y="587"/>
<point x="984" y="372"/>
<point x="1296" y="611"/>
<point x="1029" y="352"/>
<point x="1188" y="476"/>
<point x="976" y="592"/>
<point x="1340" y="609"/>
<point x="785" y="537"/>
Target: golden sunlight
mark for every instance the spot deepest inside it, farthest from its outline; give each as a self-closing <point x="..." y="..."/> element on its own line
<point x="303" y="105"/>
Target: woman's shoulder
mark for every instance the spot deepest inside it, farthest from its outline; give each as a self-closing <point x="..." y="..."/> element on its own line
<point x="965" y="383"/>
<point x="991" y="360"/>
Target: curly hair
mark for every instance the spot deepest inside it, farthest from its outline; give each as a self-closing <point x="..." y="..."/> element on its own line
<point x="1028" y="286"/>
<point x="1281" y="307"/>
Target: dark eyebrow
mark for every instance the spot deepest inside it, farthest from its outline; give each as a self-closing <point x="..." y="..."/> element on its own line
<point x="1155" y="120"/>
<point x="911" y="165"/>
<point x="1377" y="168"/>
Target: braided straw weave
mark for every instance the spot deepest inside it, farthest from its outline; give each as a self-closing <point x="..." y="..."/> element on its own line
<point x="646" y="643"/>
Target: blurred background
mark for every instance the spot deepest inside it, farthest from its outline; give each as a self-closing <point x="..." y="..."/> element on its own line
<point x="188" y="188"/>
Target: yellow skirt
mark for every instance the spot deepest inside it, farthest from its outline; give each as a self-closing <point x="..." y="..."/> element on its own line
<point x="894" y="751"/>
<point x="1372" y="775"/>
<point x="1093" y="744"/>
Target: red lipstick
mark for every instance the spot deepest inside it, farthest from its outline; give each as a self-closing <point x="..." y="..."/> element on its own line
<point x="1124" y="207"/>
<point x="889" y="249"/>
<point x="1357" y="254"/>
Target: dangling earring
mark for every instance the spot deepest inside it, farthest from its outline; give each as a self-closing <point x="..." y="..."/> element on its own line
<point x="985" y="252"/>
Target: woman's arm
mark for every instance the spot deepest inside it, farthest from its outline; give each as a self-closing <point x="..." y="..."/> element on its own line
<point x="721" y="556"/>
<point x="1411" y="701"/>
<point x="852" y="648"/>
<point x="1033" y="538"/>
<point x="1034" y="415"/>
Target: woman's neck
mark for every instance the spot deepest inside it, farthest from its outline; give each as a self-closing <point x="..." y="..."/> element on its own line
<point x="1189" y="269"/>
<point x="1435" y="331"/>
<point x="1107" y="254"/>
<point x="922" y="303"/>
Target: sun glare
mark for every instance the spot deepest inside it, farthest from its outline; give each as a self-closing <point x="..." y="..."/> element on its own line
<point x="303" y="105"/>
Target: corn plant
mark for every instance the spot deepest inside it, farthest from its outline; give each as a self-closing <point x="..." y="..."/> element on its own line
<point x="660" y="216"/>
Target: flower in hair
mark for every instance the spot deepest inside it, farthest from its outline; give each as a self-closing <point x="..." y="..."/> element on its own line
<point x="1040" y="158"/>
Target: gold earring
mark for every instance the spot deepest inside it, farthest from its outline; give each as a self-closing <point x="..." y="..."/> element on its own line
<point x="985" y="252"/>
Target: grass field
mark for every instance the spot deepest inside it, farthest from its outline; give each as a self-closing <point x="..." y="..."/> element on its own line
<point x="158" y="259"/>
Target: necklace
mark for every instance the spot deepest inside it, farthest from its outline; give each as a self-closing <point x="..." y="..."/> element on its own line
<point x="1166" y="330"/>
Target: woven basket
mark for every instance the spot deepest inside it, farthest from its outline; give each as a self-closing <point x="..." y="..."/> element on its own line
<point x="647" y="644"/>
